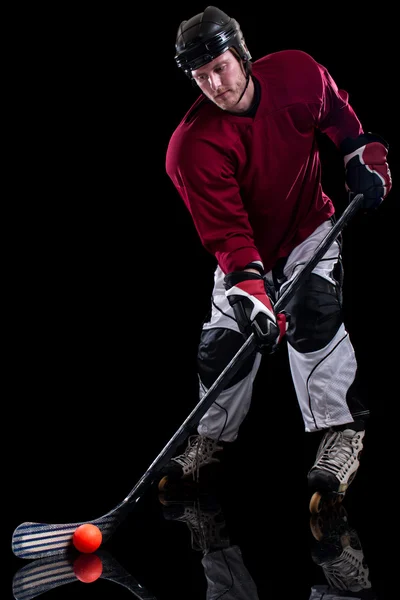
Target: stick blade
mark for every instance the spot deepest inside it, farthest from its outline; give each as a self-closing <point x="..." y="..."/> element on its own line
<point x="38" y="540"/>
<point x="32" y="540"/>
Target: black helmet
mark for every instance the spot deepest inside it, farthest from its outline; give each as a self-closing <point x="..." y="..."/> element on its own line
<point x="205" y="36"/>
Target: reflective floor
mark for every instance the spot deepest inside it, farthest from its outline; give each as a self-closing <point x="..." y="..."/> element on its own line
<point x="244" y="536"/>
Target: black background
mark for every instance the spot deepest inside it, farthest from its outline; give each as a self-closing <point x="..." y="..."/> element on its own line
<point x="106" y="282"/>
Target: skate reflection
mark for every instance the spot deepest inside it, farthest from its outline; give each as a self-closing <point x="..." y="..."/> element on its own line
<point x="337" y="550"/>
<point x="226" y="575"/>
<point x="43" y="575"/>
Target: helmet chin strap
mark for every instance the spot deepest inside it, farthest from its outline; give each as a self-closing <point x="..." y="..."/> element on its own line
<point x="245" y="87"/>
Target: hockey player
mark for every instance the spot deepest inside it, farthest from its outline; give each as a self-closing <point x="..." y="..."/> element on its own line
<point x="245" y="161"/>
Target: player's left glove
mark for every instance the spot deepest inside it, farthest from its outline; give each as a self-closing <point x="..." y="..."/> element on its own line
<point x="367" y="170"/>
<point x="253" y="309"/>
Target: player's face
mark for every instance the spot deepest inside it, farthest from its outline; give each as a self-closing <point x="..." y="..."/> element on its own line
<point x="222" y="80"/>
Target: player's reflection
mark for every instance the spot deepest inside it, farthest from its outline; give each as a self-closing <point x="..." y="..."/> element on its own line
<point x="226" y="574"/>
<point x="45" y="574"/>
<point x="337" y="550"/>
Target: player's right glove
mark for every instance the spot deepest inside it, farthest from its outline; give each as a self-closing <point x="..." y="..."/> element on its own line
<point x="367" y="170"/>
<point x="253" y="309"/>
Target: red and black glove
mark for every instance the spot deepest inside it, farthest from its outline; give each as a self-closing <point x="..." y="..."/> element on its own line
<point x="253" y="309"/>
<point x="367" y="170"/>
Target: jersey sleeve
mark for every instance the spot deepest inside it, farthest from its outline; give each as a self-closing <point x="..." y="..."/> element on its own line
<point x="332" y="112"/>
<point x="204" y="177"/>
<point x="300" y="79"/>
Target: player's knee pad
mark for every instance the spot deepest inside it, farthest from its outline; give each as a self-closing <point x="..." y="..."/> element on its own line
<point x="315" y="314"/>
<point x="216" y="349"/>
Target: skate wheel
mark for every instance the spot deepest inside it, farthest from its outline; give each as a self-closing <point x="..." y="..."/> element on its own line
<point x="162" y="499"/>
<point x="162" y="484"/>
<point x="316" y="526"/>
<point x="315" y="503"/>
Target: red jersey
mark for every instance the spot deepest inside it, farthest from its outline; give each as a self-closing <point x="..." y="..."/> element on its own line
<point x="253" y="184"/>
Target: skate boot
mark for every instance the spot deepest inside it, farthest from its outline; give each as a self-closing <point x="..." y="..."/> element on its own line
<point x="204" y="517"/>
<point x="199" y="453"/>
<point x="339" y="553"/>
<point x="336" y="464"/>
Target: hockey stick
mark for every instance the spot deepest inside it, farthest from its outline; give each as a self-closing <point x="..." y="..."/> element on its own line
<point x="34" y="540"/>
<point x="45" y="574"/>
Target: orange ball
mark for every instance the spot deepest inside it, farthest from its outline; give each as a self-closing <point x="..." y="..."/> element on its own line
<point x="87" y="538"/>
<point x="88" y="568"/>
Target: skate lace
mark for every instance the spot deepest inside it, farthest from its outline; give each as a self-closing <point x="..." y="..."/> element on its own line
<point x="194" y="454"/>
<point x="336" y="452"/>
<point x="348" y="572"/>
<point x="200" y="526"/>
